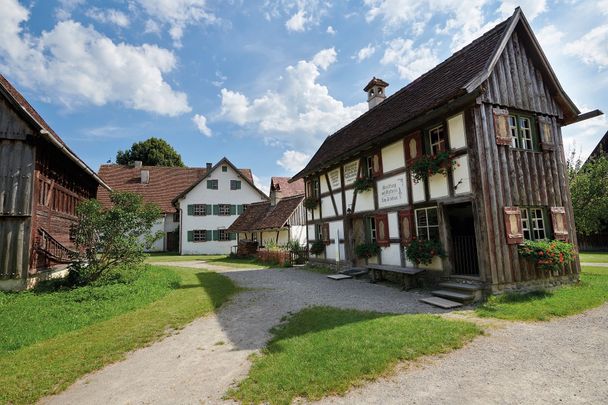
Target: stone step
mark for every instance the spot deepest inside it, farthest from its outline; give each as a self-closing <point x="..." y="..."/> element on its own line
<point x="355" y="271"/>
<point x="451" y="285"/>
<point x="454" y="295"/>
<point x="441" y="302"/>
<point x="339" y="277"/>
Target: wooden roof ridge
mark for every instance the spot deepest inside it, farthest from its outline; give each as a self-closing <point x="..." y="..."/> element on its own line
<point x="25" y="109"/>
<point x="229" y="163"/>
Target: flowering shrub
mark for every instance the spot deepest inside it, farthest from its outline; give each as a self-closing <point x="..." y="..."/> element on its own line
<point x="317" y="247"/>
<point x="363" y="184"/>
<point x="367" y="250"/>
<point x="423" y="250"/>
<point x="548" y="254"/>
<point x="426" y="166"/>
<point x="311" y="203"/>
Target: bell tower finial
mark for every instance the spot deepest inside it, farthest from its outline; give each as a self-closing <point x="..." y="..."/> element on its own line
<point x="375" y="90"/>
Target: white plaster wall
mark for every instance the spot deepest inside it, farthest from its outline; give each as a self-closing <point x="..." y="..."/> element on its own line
<point x="365" y="201"/>
<point x="350" y="172"/>
<point x="392" y="191"/>
<point x="323" y="184"/>
<point x="456" y="131"/>
<point x="311" y="232"/>
<point x="327" y="207"/>
<point x="348" y="195"/>
<point x="462" y="175"/>
<point x="438" y="186"/>
<point x="170" y="226"/>
<point x="393" y="157"/>
<point x="436" y="264"/>
<point x="418" y="191"/>
<point x="223" y="195"/>
<point x="391" y="254"/>
<point x="298" y="232"/>
<point x="335" y="228"/>
<point x="338" y="198"/>
<point x="159" y="245"/>
<point x="393" y="225"/>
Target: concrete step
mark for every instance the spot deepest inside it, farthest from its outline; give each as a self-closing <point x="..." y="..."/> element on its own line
<point x="339" y="277"/>
<point x="454" y="295"/>
<point x="451" y="285"/>
<point x="441" y="302"/>
<point x="355" y="271"/>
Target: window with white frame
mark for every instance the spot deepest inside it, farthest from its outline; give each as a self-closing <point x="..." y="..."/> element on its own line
<point x="371" y="229"/>
<point x="199" y="235"/>
<point x="522" y="134"/>
<point x="427" y="223"/>
<point x="200" y="209"/>
<point x="369" y="167"/>
<point x="235" y="184"/>
<point x="514" y="132"/>
<point x="436" y="140"/>
<point x="534" y="223"/>
<point x="224" y="209"/>
<point x="223" y="235"/>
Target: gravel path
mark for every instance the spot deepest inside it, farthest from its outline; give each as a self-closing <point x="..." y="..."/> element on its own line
<point x="563" y="360"/>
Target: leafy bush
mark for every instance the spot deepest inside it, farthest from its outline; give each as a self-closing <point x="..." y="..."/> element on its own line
<point x="363" y="184"/>
<point x="108" y="238"/>
<point x="426" y="166"/>
<point x="297" y="250"/>
<point x="548" y="254"/>
<point x="367" y="250"/>
<point x="317" y="247"/>
<point x="310" y="203"/>
<point x="423" y="250"/>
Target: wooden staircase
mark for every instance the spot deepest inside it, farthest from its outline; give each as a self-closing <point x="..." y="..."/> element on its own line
<point x="53" y="249"/>
<point x="452" y="294"/>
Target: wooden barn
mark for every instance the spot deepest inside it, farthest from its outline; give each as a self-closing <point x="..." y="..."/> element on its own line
<point x="41" y="182"/>
<point x="486" y="123"/>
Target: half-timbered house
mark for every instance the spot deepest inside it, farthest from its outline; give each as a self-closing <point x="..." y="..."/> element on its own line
<point x="41" y="182"/>
<point x="495" y="110"/>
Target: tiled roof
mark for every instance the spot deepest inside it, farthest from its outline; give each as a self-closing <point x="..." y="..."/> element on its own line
<point x="19" y="99"/>
<point x="165" y="183"/>
<point x="287" y="189"/>
<point x="444" y="82"/>
<point x="602" y="146"/>
<point x="262" y="215"/>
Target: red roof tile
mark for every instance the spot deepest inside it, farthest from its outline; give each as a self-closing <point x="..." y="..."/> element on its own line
<point x="265" y="216"/>
<point x="287" y="189"/>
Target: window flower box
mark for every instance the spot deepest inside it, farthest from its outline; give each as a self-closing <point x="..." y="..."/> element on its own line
<point x="426" y="166"/>
<point x="547" y="254"/>
<point x="422" y="251"/>
<point x="367" y="250"/>
<point x="311" y="203"/>
<point x="363" y="184"/>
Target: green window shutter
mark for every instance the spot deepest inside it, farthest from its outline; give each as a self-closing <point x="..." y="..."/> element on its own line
<point x="239" y="209"/>
<point x="238" y="184"/>
<point x="190" y="209"/>
<point x="190" y="236"/>
<point x="209" y="184"/>
<point x="232" y="236"/>
<point x="208" y="209"/>
<point x="216" y="234"/>
<point x="232" y="209"/>
<point x="216" y="209"/>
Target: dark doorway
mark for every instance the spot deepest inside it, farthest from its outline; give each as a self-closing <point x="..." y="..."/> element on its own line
<point x="462" y="235"/>
<point x="172" y="241"/>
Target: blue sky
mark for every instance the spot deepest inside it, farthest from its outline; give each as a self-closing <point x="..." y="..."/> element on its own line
<point x="262" y="82"/>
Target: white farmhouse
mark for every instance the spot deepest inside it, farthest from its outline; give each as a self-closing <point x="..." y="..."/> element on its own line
<point x="210" y="205"/>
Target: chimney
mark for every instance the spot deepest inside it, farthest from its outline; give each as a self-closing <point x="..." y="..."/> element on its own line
<point x="138" y="164"/>
<point x="145" y="176"/>
<point x="209" y="166"/>
<point x="375" y="90"/>
<point x="275" y="193"/>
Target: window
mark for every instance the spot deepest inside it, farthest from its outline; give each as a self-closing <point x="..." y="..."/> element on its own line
<point x="316" y="187"/>
<point x="224" y="209"/>
<point x="254" y="236"/>
<point x="533" y="223"/>
<point x="212" y="184"/>
<point x="522" y="134"/>
<point x="199" y="235"/>
<point x="223" y="235"/>
<point x="235" y="184"/>
<point x="176" y="216"/>
<point x="436" y="140"/>
<point x="224" y="168"/>
<point x="369" y="167"/>
<point x="199" y="210"/>
<point x="427" y="223"/>
<point x="371" y="229"/>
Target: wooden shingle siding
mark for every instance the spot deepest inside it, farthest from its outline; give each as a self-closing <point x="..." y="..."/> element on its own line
<point x="16" y="177"/>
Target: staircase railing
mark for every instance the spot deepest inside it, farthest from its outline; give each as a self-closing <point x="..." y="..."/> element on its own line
<point x="54" y="249"/>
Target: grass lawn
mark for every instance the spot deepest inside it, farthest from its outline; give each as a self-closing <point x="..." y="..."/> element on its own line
<point x="63" y="335"/>
<point x="220" y="260"/>
<point x="592" y="291"/>
<point x="594" y="257"/>
<point x="321" y="351"/>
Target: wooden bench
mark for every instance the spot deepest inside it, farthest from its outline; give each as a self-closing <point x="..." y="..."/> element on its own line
<point x="406" y="273"/>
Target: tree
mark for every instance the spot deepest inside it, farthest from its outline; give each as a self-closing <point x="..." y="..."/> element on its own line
<point x="589" y="190"/>
<point x="107" y="238"/>
<point x="152" y="152"/>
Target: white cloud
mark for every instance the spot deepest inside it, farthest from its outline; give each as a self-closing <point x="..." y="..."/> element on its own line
<point x="66" y="7"/>
<point x="177" y="14"/>
<point x="549" y="36"/>
<point x="325" y="58"/>
<point x="297" y="22"/>
<point x="262" y="183"/>
<point x="365" y="52"/>
<point x="151" y="27"/>
<point x="603" y="6"/>
<point x="410" y="61"/>
<point x="201" y="124"/>
<point x="293" y="161"/>
<point x="110" y="16"/>
<point x="299" y="113"/>
<point x="74" y="64"/>
<point x="331" y="31"/>
<point x="531" y="8"/>
<point x="591" y="47"/>
<point x="584" y="135"/>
